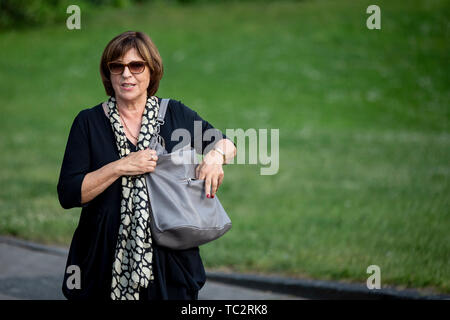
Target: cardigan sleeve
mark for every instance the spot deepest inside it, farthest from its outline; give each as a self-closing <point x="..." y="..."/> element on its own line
<point x="75" y="165"/>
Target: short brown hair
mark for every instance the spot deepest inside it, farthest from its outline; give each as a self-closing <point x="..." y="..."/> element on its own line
<point x="117" y="48"/>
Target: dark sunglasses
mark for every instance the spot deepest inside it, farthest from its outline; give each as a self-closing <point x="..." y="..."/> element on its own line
<point x="133" y="66"/>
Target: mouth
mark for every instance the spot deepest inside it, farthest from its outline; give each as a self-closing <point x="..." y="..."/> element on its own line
<point x="127" y="85"/>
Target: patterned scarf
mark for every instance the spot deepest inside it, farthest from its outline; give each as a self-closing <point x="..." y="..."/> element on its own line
<point x="132" y="267"/>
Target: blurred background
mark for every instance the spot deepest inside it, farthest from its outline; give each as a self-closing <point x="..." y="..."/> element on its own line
<point x="363" y="117"/>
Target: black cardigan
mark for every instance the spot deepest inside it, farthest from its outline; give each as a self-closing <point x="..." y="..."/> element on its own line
<point x="91" y="145"/>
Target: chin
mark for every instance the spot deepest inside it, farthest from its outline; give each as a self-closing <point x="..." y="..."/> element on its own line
<point x="129" y="96"/>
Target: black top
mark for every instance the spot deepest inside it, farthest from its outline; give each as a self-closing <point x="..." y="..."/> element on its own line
<point x="179" y="274"/>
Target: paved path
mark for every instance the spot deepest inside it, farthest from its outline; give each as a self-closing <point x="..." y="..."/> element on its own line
<point x="35" y="274"/>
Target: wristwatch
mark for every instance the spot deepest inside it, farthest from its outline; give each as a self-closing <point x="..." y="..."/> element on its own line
<point x="221" y="152"/>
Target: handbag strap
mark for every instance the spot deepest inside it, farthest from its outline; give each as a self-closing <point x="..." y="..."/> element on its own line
<point x="162" y="111"/>
<point x="159" y="121"/>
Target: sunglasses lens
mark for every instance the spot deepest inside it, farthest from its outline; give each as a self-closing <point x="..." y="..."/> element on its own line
<point x="116" y="68"/>
<point x="136" y="67"/>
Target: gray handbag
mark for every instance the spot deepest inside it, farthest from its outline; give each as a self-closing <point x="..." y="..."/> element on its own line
<point x="182" y="217"/>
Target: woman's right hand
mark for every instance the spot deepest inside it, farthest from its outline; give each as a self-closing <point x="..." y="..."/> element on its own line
<point x="139" y="162"/>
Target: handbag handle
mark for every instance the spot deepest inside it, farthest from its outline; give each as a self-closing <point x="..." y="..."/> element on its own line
<point x="159" y="122"/>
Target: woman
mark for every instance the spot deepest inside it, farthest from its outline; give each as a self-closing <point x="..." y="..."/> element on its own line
<point x="117" y="258"/>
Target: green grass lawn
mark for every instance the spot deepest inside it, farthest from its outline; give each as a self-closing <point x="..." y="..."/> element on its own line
<point x="363" y="118"/>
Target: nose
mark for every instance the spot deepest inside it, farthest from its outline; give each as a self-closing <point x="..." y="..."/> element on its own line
<point x="126" y="72"/>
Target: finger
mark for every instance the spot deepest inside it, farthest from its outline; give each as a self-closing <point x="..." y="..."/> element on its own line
<point x="148" y="155"/>
<point x="220" y="181"/>
<point x="201" y="175"/>
<point x="149" y="152"/>
<point x="208" y="187"/>
<point x="214" y="186"/>
<point x="152" y="165"/>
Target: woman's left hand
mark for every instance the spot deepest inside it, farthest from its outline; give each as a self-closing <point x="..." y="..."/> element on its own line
<point x="211" y="170"/>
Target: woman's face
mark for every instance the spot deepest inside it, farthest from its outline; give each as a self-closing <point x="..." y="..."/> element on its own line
<point x="130" y="86"/>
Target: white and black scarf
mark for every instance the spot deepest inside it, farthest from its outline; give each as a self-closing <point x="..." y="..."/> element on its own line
<point x="132" y="266"/>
